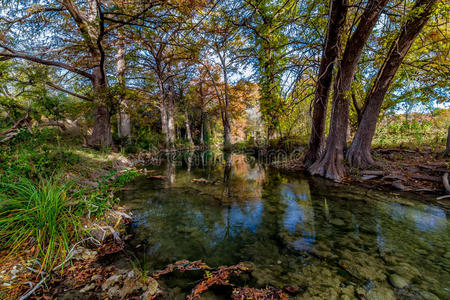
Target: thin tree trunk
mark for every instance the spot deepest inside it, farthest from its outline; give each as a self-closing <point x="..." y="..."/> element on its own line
<point x="331" y="163"/>
<point x="226" y="118"/>
<point x="202" y="128"/>
<point x="170" y="115"/>
<point x="447" y="148"/>
<point x="359" y="151"/>
<point x="123" y="118"/>
<point x="163" y="111"/>
<point x="202" y="115"/>
<point x="225" y="104"/>
<point x="336" y="23"/>
<point x="188" y="127"/>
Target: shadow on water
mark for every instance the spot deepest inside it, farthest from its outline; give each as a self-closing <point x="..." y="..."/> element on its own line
<point x="329" y="242"/>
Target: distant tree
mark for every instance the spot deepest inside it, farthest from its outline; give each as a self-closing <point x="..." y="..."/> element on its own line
<point x="223" y="40"/>
<point x="266" y="23"/>
<point x="81" y="51"/>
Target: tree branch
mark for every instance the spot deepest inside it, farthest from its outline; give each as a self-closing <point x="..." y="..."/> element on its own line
<point x="6" y="56"/>
<point x="57" y="87"/>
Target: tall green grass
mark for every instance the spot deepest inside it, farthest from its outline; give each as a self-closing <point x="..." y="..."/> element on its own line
<point x="38" y="214"/>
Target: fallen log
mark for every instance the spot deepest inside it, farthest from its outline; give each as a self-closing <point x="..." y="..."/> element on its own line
<point x="425" y="177"/>
<point x="68" y="127"/>
<point x="14" y="130"/>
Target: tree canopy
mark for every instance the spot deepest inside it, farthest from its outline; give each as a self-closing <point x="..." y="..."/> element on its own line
<point x="169" y="73"/>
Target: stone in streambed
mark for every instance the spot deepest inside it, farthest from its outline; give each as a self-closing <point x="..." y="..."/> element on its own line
<point x="405" y="270"/>
<point x="380" y="293"/>
<point x="362" y="266"/>
<point x="337" y="222"/>
<point x="428" y="296"/>
<point x="398" y="281"/>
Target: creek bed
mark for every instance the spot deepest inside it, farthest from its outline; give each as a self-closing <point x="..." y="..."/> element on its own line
<point x="328" y="242"/>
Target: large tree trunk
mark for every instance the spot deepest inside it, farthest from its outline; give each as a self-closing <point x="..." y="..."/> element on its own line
<point x="101" y="133"/>
<point x="331" y="163"/>
<point x="91" y="25"/>
<point x="359" y="151"/>
<point x="336" y="23"/>
<point x="123" y="118"/>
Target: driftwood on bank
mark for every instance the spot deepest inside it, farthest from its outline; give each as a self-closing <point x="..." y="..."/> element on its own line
<point x="445" y="182"/>
<point x="15" y="129"/>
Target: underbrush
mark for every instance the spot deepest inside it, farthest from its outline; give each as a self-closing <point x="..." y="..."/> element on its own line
<point x="410" y="134"/>
<point x="48" y="185"/>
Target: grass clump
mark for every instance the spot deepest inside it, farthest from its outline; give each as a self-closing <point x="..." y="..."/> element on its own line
<point x="40" y="214"/>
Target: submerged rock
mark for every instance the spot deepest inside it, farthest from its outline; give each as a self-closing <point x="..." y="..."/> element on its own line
<point x="127" y="284"/>
<point x="318" y="281"/>
<point x="362" y="266"/>
<point x="337" y="222"/>
<point x="380" y="293"/>
<point x="398" y="281"/>
<point x="428" y="296"/>
<point x="405" y="270"/>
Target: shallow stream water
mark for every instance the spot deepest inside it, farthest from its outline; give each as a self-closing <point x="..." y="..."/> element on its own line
<point x="325" y="241"/>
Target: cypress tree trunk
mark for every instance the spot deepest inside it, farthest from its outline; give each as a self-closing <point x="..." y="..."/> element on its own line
<point x="101" y="133"/>
<point x="359" y="151"/>
<point x="336" y="22"/>
<point x="123" y="118"/>
<point x="331" y="163"/>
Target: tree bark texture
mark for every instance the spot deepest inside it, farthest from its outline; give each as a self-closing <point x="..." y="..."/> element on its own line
<point x="359" y="151"/>
<point x="331" y="162"/>
<point x="123" y="117"/>
<point x="330" y="52"/>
